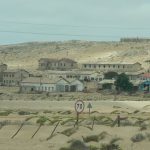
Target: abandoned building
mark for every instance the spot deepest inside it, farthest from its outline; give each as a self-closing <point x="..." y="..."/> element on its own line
<point x="76" y="74"/>
<point x="13" y="77"/>
<point x="55" y="64"/>
<point x="116" y="67"/>
<point x="3" y="67"/>
<point x="43" y="84"/>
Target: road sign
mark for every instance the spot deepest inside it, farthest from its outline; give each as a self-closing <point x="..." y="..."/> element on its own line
<point x="79" y="106"/>
<point x="89" y="107"/>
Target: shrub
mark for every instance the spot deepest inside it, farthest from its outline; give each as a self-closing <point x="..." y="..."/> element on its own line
<point x="76" y="145"/>
<point x="27" y="113"/>
<point x="23" y="113"/>
<point x="94" y="138"/>
<point x="138" y="138"/>
<point x="91" y="147"/>
<point x="5" y="113"/>
<point x="111" y="145"/>
<point x="143" y="127"/>
<point x="148" y="136"/>
<point x="42" y="120"/>
<point x="70" y="131"/>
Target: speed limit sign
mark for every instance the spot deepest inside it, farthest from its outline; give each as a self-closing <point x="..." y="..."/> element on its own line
<point x="79" y="106"/>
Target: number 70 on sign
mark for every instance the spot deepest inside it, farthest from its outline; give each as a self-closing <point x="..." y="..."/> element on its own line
<point x="79" y="106"/>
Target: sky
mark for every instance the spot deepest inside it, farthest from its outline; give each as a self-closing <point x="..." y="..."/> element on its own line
<point x="61" y="20"/>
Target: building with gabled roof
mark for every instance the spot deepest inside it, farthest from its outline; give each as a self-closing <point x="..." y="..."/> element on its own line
<point x="43" y="84"/>
<point x="55" y="64"/>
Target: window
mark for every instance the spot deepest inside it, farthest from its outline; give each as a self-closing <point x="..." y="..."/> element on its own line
<point x="104" y="66"/>
<point x="52" y="88"/>
<point x="84" y="66"/>
<point x="45" y="88"/>
<point x="113" y="66"/>
<point x="94" y="66"/>
<point x="49" y="88"/>
<point x="99" y="66"/>
<point x="90" y="66"/>
<point x="118" y="66"/>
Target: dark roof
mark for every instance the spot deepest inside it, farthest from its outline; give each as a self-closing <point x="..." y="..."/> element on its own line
<point x="68" y="60"/>
<point x="49" y="59"/>
<point x="14" y="70"/>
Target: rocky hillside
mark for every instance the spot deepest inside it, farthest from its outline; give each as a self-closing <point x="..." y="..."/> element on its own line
<point x="27" y="54"/>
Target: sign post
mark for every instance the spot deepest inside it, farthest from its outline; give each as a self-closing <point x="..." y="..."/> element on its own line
<point x="89" y="107"/>
<point x="79" y="107"/>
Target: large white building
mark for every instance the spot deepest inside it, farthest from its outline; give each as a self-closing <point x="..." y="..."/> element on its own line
<point x="116" y="67"/>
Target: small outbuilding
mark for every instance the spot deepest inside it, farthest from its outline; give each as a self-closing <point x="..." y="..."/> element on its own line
<point x="145" y="86"/>
<point x="106" y="84"/>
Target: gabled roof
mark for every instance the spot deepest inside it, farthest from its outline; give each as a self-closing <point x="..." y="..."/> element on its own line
<point x="42" y="80"/>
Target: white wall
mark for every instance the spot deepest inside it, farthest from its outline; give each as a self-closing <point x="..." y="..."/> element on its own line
<point x="79" y="85"/>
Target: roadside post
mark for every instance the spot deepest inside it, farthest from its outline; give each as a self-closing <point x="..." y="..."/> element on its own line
<point x="89" y="107"/>
<point x="79" y="107"/>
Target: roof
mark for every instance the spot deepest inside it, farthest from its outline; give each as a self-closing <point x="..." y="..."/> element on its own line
<point x="105" y="81"/>
<point x="41" y="80"/>
<point x="135" y="73"/>
<point x="110" y="63"/>
<point x="68" y="60"/>
<point x="14" y="70"/>
<point x="136" y="82"/>
<point x="146" y="75"/>
<point x="49" y="59"/>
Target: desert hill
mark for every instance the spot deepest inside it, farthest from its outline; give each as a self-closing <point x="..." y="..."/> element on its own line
<point x="26" y="55"/>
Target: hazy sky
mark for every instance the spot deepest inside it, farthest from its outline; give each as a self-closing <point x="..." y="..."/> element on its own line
<point x="50" y="20"/>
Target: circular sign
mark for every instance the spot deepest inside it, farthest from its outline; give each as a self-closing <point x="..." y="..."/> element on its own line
<point x="79" y="106"/>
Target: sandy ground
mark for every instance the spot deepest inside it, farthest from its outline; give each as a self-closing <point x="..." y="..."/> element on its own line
<point x="57" y="109"/>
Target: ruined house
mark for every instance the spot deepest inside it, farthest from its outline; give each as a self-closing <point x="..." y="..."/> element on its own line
<point x="55" y="64"/>
<point x="13" y="77"/>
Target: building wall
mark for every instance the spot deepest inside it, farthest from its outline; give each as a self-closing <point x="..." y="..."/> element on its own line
<point x="37" y="87"/>
<point x="60" y="86"/>
<point x="3" y="67"/>
<point x="112" y="67"/>
<point x="14" y="78"/>
<point x="56" y="65"/>
<point x="79" y="85"/>
<point x="63" y="65"/>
